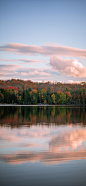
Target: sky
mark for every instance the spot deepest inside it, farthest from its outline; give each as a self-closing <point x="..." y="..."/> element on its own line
<point x="43" y="40"/>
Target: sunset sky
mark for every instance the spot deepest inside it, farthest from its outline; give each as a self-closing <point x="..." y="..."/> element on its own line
<point x="43" y="40"/>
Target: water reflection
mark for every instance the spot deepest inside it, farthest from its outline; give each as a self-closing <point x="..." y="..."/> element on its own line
<point x="44" y="138"/>
<point x="43" y="115"/>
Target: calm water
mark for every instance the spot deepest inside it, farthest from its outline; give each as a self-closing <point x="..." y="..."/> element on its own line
<point x="42" y="146"/>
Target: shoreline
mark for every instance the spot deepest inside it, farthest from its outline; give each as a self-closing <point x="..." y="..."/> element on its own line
<point x="73" y="105"/>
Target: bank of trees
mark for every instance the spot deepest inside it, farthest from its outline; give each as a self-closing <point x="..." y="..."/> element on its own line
<point x="12" y="95"/>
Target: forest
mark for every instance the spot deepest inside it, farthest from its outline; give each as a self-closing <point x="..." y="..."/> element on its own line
<point x="17" y="91"/>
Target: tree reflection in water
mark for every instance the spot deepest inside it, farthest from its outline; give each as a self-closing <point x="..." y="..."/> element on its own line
<point x="45" y="115"/>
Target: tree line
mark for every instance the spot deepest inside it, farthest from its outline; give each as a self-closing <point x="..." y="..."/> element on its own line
<point x="28" y="96"/>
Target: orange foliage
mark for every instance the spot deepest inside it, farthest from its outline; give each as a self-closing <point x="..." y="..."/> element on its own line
<point x="34" y="91"/>
<point x="68" y="94"/>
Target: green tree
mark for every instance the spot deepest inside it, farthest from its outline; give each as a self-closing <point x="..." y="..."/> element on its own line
<point x="53" y="98"/>
<point x="62" y="98"/>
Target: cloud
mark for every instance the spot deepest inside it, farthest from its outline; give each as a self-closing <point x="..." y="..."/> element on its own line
<point x="20" y="71"/>
<point x="68" y="67"/>
<point x="31" y="60"/>
<point x="9" y="70"/>
<point x="8" y="60"/>
<point x="71" y="81"/>
<point x="64" y="66"/>
<point x="48" y="49"/>
<point x="22" y="48"/>
<point x="9" y="67"/>
<point x="22" y="60"/>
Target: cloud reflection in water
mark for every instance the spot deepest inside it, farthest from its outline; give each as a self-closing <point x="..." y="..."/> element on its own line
<point x="42" y="144"/>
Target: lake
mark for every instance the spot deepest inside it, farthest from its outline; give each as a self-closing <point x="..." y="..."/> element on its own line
<point x="42" y="146"/>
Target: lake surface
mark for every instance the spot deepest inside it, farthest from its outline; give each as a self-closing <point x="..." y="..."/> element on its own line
<point x="42" y="146"/>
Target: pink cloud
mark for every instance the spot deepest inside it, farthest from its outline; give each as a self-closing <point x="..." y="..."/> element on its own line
<point x="22" y="60"/>
<point x="18" y="71"/>
<point x="71" y="81"/>
<point x="49" y="50"/>
<point x="68" y="67"/>
<point x="10" y="60"/>
<point x="9" y="67"/>
<point x="65" y="66"/>
<point x="31" y="60"/>
<point x="22" y="48"/>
